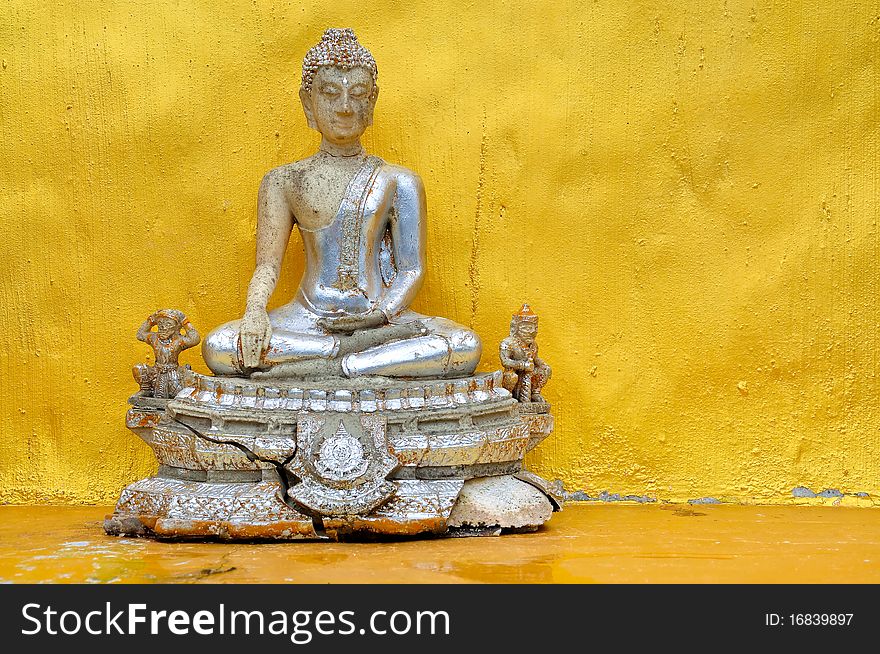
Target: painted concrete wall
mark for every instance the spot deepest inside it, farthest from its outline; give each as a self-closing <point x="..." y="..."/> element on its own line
<point x="686" y="193"/>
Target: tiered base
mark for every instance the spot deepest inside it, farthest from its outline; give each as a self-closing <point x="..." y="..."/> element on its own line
<point x="242" y="460"/>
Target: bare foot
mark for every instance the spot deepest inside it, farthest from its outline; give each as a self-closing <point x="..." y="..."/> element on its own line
<point x="362" y="340"/>
<point x="306" y="368"/>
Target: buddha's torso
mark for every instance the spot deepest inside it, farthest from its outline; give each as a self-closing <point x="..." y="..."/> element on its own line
<point x="345" y="256"/>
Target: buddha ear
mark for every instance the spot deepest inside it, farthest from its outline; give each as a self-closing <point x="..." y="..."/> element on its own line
<point x="306" y="99"/>
<point x="373" y="96"/>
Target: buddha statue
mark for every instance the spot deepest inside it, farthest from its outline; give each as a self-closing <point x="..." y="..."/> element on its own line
<point x="342" y="412"/>
<point x="363" y="229"/>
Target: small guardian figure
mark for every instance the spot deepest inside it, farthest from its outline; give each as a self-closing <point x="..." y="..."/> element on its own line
<point x="525" y="374"/>
<point x="174" y="334"/>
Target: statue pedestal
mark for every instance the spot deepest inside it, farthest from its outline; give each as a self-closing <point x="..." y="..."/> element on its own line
<point x="242" y="459"/>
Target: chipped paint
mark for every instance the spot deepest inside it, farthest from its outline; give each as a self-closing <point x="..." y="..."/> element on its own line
<point x="605" y="496"/>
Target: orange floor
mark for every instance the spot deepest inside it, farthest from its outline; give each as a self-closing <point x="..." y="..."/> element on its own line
<point x="586" y="543"/>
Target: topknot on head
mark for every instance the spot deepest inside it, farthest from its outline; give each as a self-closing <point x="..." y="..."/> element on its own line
<point x="338" y="47"/>
<point x="522" y="317"/>
<point x="525" y="314"/>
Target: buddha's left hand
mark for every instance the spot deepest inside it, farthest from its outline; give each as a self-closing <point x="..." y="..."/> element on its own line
<point x="350" y="323"/>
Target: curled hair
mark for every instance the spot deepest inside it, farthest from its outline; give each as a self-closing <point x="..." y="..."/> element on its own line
<point x="340" y="48"/>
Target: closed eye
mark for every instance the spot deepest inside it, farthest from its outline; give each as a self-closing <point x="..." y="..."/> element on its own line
<point x="359" y="91"/>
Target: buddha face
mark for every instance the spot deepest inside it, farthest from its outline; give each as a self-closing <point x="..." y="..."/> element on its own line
<point x="340" y="104"/>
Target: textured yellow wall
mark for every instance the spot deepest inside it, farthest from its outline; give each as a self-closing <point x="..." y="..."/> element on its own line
<point x="686" y="193"/>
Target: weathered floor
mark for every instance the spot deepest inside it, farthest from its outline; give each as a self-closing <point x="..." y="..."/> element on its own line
<point x="585" y="543"/>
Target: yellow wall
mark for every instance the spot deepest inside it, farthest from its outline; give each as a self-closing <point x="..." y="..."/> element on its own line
<point x="686" y="193"/>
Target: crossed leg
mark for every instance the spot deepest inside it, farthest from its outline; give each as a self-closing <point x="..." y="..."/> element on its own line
<point x="412" y="346"/>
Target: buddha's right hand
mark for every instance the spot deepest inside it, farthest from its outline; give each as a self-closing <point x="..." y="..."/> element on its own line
<point x="254" y="334"/>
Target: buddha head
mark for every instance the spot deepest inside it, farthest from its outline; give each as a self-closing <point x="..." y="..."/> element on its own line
<point x="524" y="324"/>
<point x="339" y="87"/>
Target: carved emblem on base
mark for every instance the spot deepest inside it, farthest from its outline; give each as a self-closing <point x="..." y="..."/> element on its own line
<point x="342" y="461"/>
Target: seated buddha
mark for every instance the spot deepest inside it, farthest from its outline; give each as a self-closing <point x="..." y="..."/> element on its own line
<point x="362" y="223"/>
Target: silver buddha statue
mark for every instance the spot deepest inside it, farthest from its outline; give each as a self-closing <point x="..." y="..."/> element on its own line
<point x="362" y="223"/>
<point x="343" y="412"/>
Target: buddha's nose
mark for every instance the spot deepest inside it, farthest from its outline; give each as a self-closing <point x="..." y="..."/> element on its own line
<point x="345" y="107"/>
